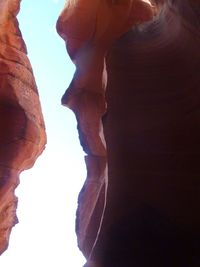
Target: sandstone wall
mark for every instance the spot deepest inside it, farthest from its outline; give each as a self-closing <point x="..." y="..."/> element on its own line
<point x="89" y="29"/>
<point x="22" y="131"/>
<point x="135" y="94"/>
<point x="144" y="210"/>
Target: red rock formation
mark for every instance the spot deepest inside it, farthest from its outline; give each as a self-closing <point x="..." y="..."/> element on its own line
<point x="145" y="212"/>
<point x="22" y="134"/>
<point x="89" y="28"/>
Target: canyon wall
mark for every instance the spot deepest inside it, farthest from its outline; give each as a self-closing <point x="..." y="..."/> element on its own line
<point x="136" y="94"/>
<point x="87" y="44"/>
<point x="22" y="131"/>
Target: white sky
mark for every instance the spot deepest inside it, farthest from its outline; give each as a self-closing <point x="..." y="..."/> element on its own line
<point x="48" y="192"/>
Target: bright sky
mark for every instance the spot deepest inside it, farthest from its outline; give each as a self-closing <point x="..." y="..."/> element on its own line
<point x="48" y="192"/>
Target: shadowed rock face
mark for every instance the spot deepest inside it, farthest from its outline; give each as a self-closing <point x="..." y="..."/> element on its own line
<point x="152" y="129"/>
<point x="89" y="29"/>
<point x="22" y="134"/>
<point x="140" y="203"/>
<point x="146" y="214"/>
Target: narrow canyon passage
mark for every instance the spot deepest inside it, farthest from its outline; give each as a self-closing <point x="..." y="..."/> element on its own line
<point x="135" y="95"/>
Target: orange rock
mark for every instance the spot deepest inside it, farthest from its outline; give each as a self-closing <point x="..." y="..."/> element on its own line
<point x="22" y="134"/>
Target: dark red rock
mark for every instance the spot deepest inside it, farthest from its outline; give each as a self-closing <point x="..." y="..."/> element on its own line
<point x="152" y="129"/>
<point x="144" y="211"/>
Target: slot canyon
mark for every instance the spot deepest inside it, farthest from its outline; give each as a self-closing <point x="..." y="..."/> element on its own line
<point x="136" y="97"/>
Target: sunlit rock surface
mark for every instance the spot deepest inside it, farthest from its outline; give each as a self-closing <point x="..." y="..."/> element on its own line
<point x="145" y="210"/>
<point x="22" y="134"/>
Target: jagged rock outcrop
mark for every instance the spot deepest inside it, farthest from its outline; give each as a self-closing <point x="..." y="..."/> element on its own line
<point x="22" y="133"/>
<point x="145" y="211"/>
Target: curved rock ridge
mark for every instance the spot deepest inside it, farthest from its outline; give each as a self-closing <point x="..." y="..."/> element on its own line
<point x="89" y="27"/>
<point x="22" y="134"/>
<point x="143" y="210"/>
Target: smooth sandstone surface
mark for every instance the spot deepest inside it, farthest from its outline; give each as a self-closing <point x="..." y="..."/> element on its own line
<point x="22" y="131"/>
<point x="152" y="129"/>
<point x="140" y="87"/>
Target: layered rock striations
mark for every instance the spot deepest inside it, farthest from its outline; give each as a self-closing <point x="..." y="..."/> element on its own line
<point x="22" y="133"/>
<point x="144" y="211"/>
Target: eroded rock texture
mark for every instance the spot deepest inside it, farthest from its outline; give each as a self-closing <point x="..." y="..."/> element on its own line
<point x="145" y="212"/>
<point x="22" y="134"/>
<point x="89" y="29"/>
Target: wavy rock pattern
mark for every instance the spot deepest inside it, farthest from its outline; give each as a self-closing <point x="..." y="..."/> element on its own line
<point x="145" y="212"/>
<point x="22" y="134"/>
